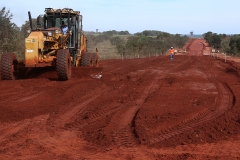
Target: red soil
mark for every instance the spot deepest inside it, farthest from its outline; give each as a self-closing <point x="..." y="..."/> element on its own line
<point x="148" y="108"/>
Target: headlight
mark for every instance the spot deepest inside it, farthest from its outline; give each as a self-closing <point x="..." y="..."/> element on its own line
<point x="56" y="31"/>
<point x="49" y="34"/>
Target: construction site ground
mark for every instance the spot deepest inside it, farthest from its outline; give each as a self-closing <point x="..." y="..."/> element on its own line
<point x="145" y="108"/>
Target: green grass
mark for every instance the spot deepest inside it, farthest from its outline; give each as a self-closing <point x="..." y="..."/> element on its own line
<point x="105" y="49"/>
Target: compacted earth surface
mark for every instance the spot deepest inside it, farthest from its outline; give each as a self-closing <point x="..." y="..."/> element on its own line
<point x="145" y="108"/>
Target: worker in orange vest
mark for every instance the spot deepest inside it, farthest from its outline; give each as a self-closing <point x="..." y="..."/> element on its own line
<point x="171" y="51"/>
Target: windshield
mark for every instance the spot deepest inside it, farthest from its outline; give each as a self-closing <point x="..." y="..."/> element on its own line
<point x="59" y="22"/>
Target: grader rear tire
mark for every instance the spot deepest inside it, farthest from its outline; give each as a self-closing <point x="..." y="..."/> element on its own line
<point x="64" y="69"/>
<point x="86" y="59"/>
<point x="8" y="66"/>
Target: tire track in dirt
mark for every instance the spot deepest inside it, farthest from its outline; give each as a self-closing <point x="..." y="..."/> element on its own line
<point x="72" y="114"/>
<point x="134" y="65"/>
<point x="118" y="66"/>
<point x="226" y="149"/>
<point x="12" y="128"/>
<point x="122" y="116"/>
<point x="223" y="103"/>
<point x="114" y="109"/>
<point x="123" y="123"/>
<point x="78" y="111"/>
<point x="17" y="96"/>
<point x="32" y="95"/>
<point x="111" y="109"/>
<point x="118" y="119"/>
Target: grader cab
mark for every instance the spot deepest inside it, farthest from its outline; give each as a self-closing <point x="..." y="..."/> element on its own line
<point x="51" y="45"/>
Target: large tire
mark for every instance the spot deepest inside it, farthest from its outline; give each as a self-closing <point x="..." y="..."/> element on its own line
<point x="64" y="69"/>
<point x="86" y="59"/>
<point x="8" y="66"/>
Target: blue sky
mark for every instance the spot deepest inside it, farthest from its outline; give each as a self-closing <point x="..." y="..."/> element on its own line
<point x="172" y="16"/>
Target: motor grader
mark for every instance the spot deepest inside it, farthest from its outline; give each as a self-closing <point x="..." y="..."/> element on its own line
<point x="47" y="45"/>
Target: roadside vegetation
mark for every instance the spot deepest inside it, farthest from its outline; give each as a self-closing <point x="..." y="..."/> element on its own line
<point x="144" y="44"/>
<point x="115" y="44"/>
<point x="12" y="39"/>
<point x="229" y="44"/>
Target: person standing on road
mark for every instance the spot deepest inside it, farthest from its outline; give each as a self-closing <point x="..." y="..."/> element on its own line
<point x="171" y="51"/>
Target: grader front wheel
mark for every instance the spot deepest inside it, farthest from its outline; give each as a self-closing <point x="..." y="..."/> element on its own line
<point x="8" y="66"/>
<point x="64" y="69"/>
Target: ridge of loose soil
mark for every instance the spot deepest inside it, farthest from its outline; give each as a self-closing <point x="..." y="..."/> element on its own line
<point x="146" y="108"/>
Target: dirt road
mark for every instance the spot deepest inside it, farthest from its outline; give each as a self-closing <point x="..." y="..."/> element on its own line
<point x="147" y="108"/>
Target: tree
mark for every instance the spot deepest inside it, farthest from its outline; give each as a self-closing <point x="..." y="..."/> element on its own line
<point x="225" y="45"/>
<point x="121" y="49"/>
<point x="11" y="39"/>
<point x="234" y="44"/>
<point x="213" y="39"/>
<point x="131" y="45"/>
<point x="26" y="26"/>
<point x="116" y="40"/>
<point x="238" y="43"/>
<point x="216" y="41"/>
<point x="123" y="33"/>
<point x="180" y="41"/>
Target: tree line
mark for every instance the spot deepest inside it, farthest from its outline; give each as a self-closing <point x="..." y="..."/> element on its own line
<point x="229" y="44"/>
<point x="141" y="43"/>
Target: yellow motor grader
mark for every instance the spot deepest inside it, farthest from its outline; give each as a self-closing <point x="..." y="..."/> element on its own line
<point x="49" y="45"/>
